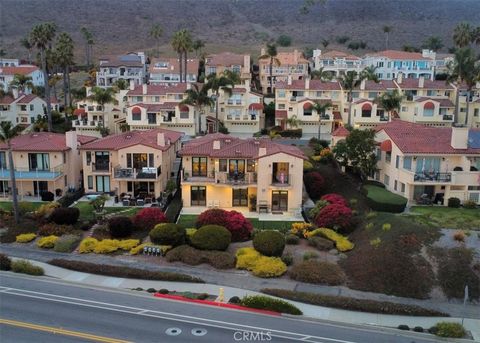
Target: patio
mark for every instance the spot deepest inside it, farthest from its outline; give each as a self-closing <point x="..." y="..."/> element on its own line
<point x="285" y="216"/>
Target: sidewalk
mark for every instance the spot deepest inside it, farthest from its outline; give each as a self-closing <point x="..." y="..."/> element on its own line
<point x="316" y="312"/>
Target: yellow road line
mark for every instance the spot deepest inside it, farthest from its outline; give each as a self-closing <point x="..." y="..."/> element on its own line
<point x="54" y="330"/>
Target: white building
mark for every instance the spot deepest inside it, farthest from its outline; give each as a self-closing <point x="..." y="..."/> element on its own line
<point x="165" y="71"/>
<point x="7" y="75"/>
<point x="9" y="62"/>
<point x="129" y="67"/>
<point x="24" y="109"/>
<point x="336" y="62"/>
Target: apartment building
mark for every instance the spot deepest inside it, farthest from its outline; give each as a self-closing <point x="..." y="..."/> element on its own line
<point x="419" y="161"/>
<point x="473" y="119"/>
<point x="227" y="172"/>
<point x="7" y="74"/>
<point x="292" y="64"/>
<point x="166" y="71"/>
<point x="336" y="62"/>
<point x="9" y="62"/>
<point x="43" y="162"/>
<point x="24" y="109"/>
<point x="391" y="62"/>
<point x="128" y="67"/>
<point x="138" y="163"/>
<point x="295" y="98"/>
<point x="159" y="106"/>
<point x="237" y="63"/>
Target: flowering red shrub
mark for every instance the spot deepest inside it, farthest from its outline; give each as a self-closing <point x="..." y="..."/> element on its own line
<point x="334" y="198"/>
<point x="234" y="221"/>
<point x="334" y="215"/>
<point x="148" y="217"/>
<point x="314" y="182"/>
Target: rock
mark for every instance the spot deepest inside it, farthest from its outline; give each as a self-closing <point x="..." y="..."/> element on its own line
<point x="333" y="252"/>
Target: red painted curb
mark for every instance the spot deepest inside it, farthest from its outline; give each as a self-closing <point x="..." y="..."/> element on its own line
<point x="215" y="303"/>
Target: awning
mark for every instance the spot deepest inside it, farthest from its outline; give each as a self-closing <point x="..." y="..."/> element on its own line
<point x="307" y="106"/>
<point x="429" y="106"/>
<point x="255" y="106"/>
<point x="183" y="108"/>
<point x="136" y="110"/>
<point x="386" y="145"/>
<point x="281" y="114"/>
<point x="79" y="112"/>
<point x="367" y="107"/>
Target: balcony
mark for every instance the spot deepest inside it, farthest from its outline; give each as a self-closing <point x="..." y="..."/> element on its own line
<point x="101" y="167"/>
<point x="448" y="117"/>
<point x="282" y="180"/>
<point x="432" y="177"/>
<point x="137" y="174"/>
<point x="201" y="179"/>
<point x="236" y="178"/>
<point x="33" y="174"/>
<point x="87" y="123"/>
<point x="234" y="102"/>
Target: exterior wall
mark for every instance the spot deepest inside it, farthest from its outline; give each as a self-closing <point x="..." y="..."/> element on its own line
<point x="242" y="69"/>
<point x="388" y="69"/>
<point x="28" y="113"/>
<point x="37" y="79"/>
<point x="337" y="66"/>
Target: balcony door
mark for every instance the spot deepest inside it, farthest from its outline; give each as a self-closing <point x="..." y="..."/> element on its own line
<point x="198" y="196"/>
<point x="279" y="201"/>
<point x="236" y="167"/>
<point x="39" y="161"/>
<point x="103" y="183"/>
<point x="240" y="197"/>
<point x="280" y="173"/>
<point x="40" y="187"/>
<point x="102" y="160"/>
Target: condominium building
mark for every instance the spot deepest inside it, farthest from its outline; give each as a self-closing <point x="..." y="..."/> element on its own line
<point x="292" y="64"/>
<point x="9" y="62"/>
<point x="227" y="172"/>
<point x="473" y="119"/>
<point x="128" y="67"/>
<point x="43" y="162"/>
<point x="437" y="163"/>
<point x="237" y="63"/>
<point x="7" y="74"/>
<point x="166" y="71"/>
<point x="138" y="163"/>
<point x="24" y="109"/>
<point x="336" y="62"/>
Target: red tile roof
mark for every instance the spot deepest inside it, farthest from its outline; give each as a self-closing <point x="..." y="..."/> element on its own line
<point x="6" y="100"/>
<point x="314" y="85"/>
<point x="173" y="66"/>
<point x="412" y="138"/>
<point x="131" y="138"/>
<point x="225" y="59"/>
<point x="340" y="132"/>
<point x="338" y="54"/>
<point x="337" y="115"/>
<point x="399" y="55"/>
<point x="381" y="85"/>
<point x="26" y="99"/>
<point x="409" y="83"/>
<point x="22" y="70"/>
<point x="43" y="141"/>
<point x="79" y="111"/>
<point x="255" y="106"/>
<point x="444" y="102"/>
<point x="159" y="89"/>
<point x="236" y="147"/>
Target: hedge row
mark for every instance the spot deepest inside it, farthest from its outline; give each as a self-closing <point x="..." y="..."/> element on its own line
<point x="271" y="304"/>
<point x="352" y="304"/>
<point x="194" y="257"/>
<point x="125" y="272"/>
<point x="386" y="207"/>
<point x="70" y="197"/>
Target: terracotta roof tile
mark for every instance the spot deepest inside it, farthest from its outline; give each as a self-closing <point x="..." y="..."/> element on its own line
<point x="172" y="66"/>
<point x="157" y="107"/>
<point x="409" y="83"/>
<point x="22" y="70"/>
<point x="6" y="100"/>
<point x="381" y="85"/>
<point x="225" y="59"/>
<point x="43" y="141"/>
<point x="444" y="102"/>
<point x="340" y="132"/>
<point x="314" y="85"/>
<point x="26" y="99"/>
<point x="159" y="89"/>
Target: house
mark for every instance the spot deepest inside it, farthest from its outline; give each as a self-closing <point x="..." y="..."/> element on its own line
<point x="44" y="162"/>
<point x="159" y="106"/>
<point x="418" y="161"/>
<point x="7" y="74"/>
<point x="295" y="98"/>
<point x="228" y="172"/>
<point x="442" y="62"/>
<point x="391" y="62"/>
<point x="9" y="62"/>
<point x="138" y="163"/>
<point x="128" y="67"/>
<point x="292" y="64"/>
<point x="336" y="62"/>
<point x="237" y="63"/>
<point x="338" y="135"/>
<point x="24" y="109"/>
<point x="473" y="119"/>
<point x="165" y="71"/>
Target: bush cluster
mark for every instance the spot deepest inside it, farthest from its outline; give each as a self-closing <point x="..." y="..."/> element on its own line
<point x="106" y="246"/>
<point x="194" y="257"/>
<point x="317" y="272"/>
<point x="454" y="202"/>
<point x="47" y="242"/>
<point x="334" y="198"/>
<point x="211" y="237"/>
<point x="25" y="237"/>
<point x="66" y="243"/>
<point x="5" y="262"/>
<point x="25" y="267"/>
<point x="292" y="239"/>
<point x="65" y="215"/>
<point x="334" y="216"/>
<point x="314" y="183"/>
<point x="167" y="234"/>
<point x="50" y="229"/>
<point x="70" y="197"/>
<point x="271" y="304"/>
<point x="126" y="272"/>
<point x="341" y="243"/>
<point x="261" y="266"/>
<point x="470" y="204"/>
<point x="452" y="330"/>
<point x="148" y="217"/>
<point x="269" y="243"/>
<point x="45" y="210"/>
<point x="120" y="226"/>
<point x="233" y="221"/>
<point x="300" y="228"/>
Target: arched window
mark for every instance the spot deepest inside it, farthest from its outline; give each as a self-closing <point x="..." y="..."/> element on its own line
<point x="136" y="113"/>
<point x="366" y="110"/>
<point x="307" y="109"/>
<point x="184" y="110"/>
<point x="428" y="109"/>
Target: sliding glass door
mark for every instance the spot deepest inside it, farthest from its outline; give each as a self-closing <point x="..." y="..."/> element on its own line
<point x="39" y="161"/>
<point x="103" y="183"/>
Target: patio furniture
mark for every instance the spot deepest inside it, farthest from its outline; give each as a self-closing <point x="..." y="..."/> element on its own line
<point x="133" y="202"/>
<point x="140" y="202"/>
<point x="216" y="204"/>
<point x="126" y="202"/>
<point x="210" y="204"/>
<point x="148" y="200"/>
<point x="262" y="206"/>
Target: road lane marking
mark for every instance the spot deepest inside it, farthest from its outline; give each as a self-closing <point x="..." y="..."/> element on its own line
<point x="54" y="330"/>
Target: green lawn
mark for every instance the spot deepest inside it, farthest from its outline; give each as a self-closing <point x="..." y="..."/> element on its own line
<point x="446" y="217"/>
<point x="188" y="220"/>
<point x="86" y="210"/>
<point x="380" y="194"/>
<point x="7" y="205"/>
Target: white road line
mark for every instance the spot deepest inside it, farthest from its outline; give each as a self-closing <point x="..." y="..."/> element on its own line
<point x="169" y="316"/>
<point x="5" y="289"/>
<point x="143" y="311"/>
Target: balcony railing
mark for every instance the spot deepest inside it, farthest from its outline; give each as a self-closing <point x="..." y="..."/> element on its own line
<point x="281" y="180"/>
<point x="236" y="178"/>
<point x="432" y="177"/>
<point x="384" y="118"/>
<point x="133" y="173"/>
<point x="27" y="173"/>
<point x="448" y="117"/>
<point x="88" y="123"/>
<point x="100" y="166"/>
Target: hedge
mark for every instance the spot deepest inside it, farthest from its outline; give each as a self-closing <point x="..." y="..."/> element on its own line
<point x="211" y="237"/>
<point x="121" y="271"/>
<point x="341" y="242"/>
<point x="352" y="304"/>
<point x="317" y="272"/>
<point x="452" y="330"/>
<point x="70" y="197"/>
<point x="65" y="215"/>
<point x="271" y="304"/>
<point x="168" y="234"/>
<point x="261" y="266"/>
<point x="25" y="267"/>
<point x="194" y="257"/>
<point x="269" y="243"/>
<point x="5" y="262"/>
<point x="47" y="242"/>
<point x="66" y="243"/>
<point x="379" y="199"/>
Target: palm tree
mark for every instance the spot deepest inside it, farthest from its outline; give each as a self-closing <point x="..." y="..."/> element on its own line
<point x="22" y="82"/>
<point x="232" y="76"/>
<point x="41" y="37"/>
<point x="386" y="30"/>
<point x="321" y="108"/>
<point x="7" y="132"/>
<point x="271" y="54"/>
<point x="120" y="85"/>
<point x="215" y="84"/>
<point x="433" y="43"/>
<point x="197" y="46"/>
<point x="54" y="80"/>
<point x="102" y="96"/>
<point x="325" y="43"/>
<point x="156" y="32"/>
<point x="198" y="97"/>
<point x="25" y="42"/>
<point x="476" y="36"/>
<point x="321" y="75"/>
<point x="462" y="34"/>
<point x="390" y="101"/>
<point x="88" y="36"/>
<point x="177" y="45"/>
<point x="293" y="121"/>
<point x="64" y="52"/>
<point x="182" y="44"/>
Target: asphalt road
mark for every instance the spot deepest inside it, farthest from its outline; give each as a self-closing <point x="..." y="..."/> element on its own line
<point x="45" y="310"/>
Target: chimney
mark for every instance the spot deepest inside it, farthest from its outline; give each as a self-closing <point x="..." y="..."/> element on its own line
<point x="295" y="56"/>
<point x="317" y="53"/>
<point x="144" y="89"/>
<point x="421" y="82"/>
<point x="307" y="83"/>
<point x="15" y="92"/>
<point x="262" y="151"/>
<point x="263" y="52"/>
<point x="246" y="62"/>
<point x="459" y="137"/>
<point x="216" y="145"/>
<point x="362" y="85"/>
<point x="132" y="85"/>
<point x="400" y="78"/>
<point x="160" y="139"/>
<point x="289" y="80"/>
<point x="246" y="82"/>
<point x="71" y="139"/>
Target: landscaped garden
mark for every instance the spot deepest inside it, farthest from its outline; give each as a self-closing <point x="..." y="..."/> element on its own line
<point x="447" y="217"/>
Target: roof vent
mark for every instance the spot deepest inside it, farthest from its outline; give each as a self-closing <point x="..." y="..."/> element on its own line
<point x="228" y="140"/>
<point x="128" y="136"/>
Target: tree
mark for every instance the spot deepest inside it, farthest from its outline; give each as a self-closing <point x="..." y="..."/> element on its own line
<point x="25" y="43"/>
<point x="198" y="97"/>
<point x="284" y="40"/>
<point x="7" y="133"/>
<point x="271" y="54"/>
<point x="358" y="151"/>
<point x="410" y="48"/>
<point x="321" y="74"/>
<point x="462" y="35"/>
<point x="88" y="36"/>
<point x="433" y="43"/>
<point x="215" y="84"/>
<point x="386" y="30"/>
<point x="476" y="36"/>
<point x="21" y="82"/>
<point x="390" y="101"/>
<point x="120" y="85"/>
<point x="197" y="46"/>
<point x="307" y="4"/>
<point x="102" y="96"/>
<point x="64" y="56"/>
<point x="321" y="108"/>
<point x="325" y="43"/>
<point x="54" y="80"/>
<point x="293" y="121"/>
<point x="182" y="43"/>
<point x="156" y="32"/>
<point x="41" y="37"/>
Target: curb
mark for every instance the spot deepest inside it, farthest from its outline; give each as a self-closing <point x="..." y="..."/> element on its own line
<point x="216" y="304"/>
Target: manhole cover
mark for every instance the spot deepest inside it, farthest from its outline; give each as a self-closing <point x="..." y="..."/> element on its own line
<point x="173" y="331"/>
<point x="199" y="332"/>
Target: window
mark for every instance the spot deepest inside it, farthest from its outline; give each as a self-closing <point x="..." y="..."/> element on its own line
<point x="428" y="109"/>
<point x="157" y="99"/>
<point x="463" y="109"/>
<point x="136" y="113"/>
<point x="402" y="187"/>
<point x="395" y="183"/>
<point x="281" y="106"/>
<point x="222" y="165"/>
<point x="407" y="163"/>
<point x="476" y="112"/>
<point x="64" y="156"/>
<point x="39" y="161"/>
<point x="198" y="196"/>
<point x="307" y="109"/>
<point x="138" y="98"/>
<point x="250" y="166"/>
<point x="372" y="95"/>
<point x="386" y="180"/>
<point x="103" y="183"/>
<point x="240" y="197"/>
<point x="366" y="110"/>
<point x="404" y="108"/>
<point x="397" y="161"/>
<point x="281" y="93"/>
<point x="199" y="166"/>
<point x="90" y="182"/>
<point x="279" y="200"/>
<point x="32" y="107"/>
<point x="3" y="160"/>
<point x="102" y="160"/>
<point x="388" y="156"/>
<point x="89" y="157"/>
<point x="23" y="107"/>
<point x="430" y="92"/>
<point x="355" y="95"/>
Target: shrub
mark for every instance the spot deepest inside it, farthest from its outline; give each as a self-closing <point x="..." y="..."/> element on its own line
<point x="459" y="236"/>
<point x="65" y="215"/>
<point x="318" y="206"/>
<point x="292" y="239"/>
<point x="307" y="166"/>
<point x="309" y="255"/>
<point x="470" y="204"/>
<point x="120" y="227"/>
<point x="300" y="228"/>
<point x="148" y="217"/>
<point x="25" y="207"/>
<point x="70" y="197"/>
<point x="454" y="202"/>
<point x="418" y="329"/>
<point x="369" y="226"/>
<point x="371" y="215"/>
<point x="87" y="245"/>
<point x="403" y="327"/>
<point x="47" y="242"/>
<point x="5" y="262"/>
<point x="66" y="243"/>
<point x="234" y="300"/>
<point x="386" y="227"/>
<point x="139" y="248"/>
<point x="193" y="257"/>
<point x="314" y="183"/>
<point x="46" y="209"/>
<point x="246" y="258"/>
<point x="353" y="304"/>
<point x="151" y="290"/>
<point x="271" y="304"/>
<point x="287" y="259"/>
<point x="168" y="234"/>
<point x="163" y="291"/>
<point x="452" y="330"/>
<point x="211" y="237"/>
<point x="334" y="215"/>
<point x="233" y="221"/>
<point x="25" y="238"/>
<point x="25" y="267"/>
<point x="318" y="273"/>
<point x="341" y="243"/>
<point x="376" y="242"/>
<point x="321" y="243"/>
<point x="54" y="229"/>
<point x="333" y="198"/>
<point x="189" y="233"/>
<point x="125" y="272"/>
<point x="269" y="243"/>
<point x="47" y="196"/>
<point x="261" y="266"/>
